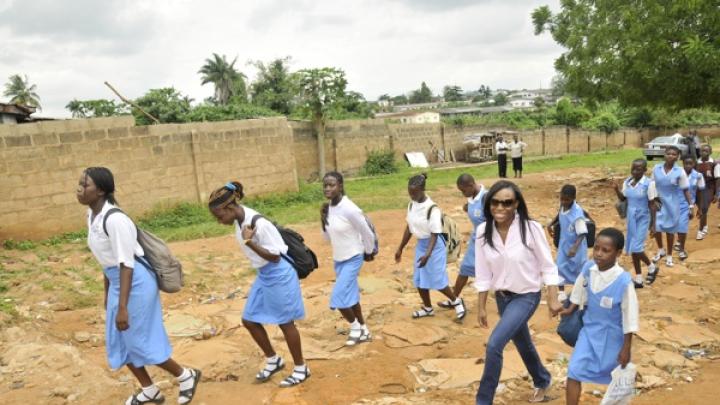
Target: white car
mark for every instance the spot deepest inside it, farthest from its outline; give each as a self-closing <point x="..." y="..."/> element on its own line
<point x="656" y="147"/>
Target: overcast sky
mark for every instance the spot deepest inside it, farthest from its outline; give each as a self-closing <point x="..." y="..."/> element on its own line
<point x="68" y="48"/>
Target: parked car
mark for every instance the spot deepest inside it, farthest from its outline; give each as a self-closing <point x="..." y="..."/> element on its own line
<point x="656" y="147"/>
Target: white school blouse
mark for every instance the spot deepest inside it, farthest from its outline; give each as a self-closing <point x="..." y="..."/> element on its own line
<point x="599" y="280"/>
<point x="652" y="191"/>
<point x="121" y="246"/>
<point x="418" y="222"/>
<point x="348" y="231"/>
<point x="266" y="236"/>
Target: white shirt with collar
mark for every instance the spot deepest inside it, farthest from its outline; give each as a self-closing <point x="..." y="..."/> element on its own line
<point x="266" y="236"/>
<point x="516" y="148"/>
<point x="348" y="231"/>
<point x="120" y="245"/>
<point x="418" y="221"/>
<point x="599" y="280"/>
<point x="501" y="147"/>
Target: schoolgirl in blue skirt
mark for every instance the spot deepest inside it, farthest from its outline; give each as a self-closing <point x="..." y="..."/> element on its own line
<point x="275" y="296"/>
<point x="353" y="242"/>
<point x="611" y="316"/>
<point x="671" y="184"/>
<point x="475" y="194"/>
<point x="696" y="186"/>
<point x="639" y="192"/>
<point x="134" y="332"/>
<point x="572" y="250"/>
<point x="424" y="221"/>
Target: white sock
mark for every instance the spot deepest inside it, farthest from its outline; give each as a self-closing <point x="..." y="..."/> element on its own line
<point x="639" y="278"/>
<point x="661" y="252"/>
<point x="185" y="374"/>
<point x="365" y="328"/>
<point x="457" y="301"/>
<point x="188" y="382"/>
<point x="272" y="359"/>
<point x="150" y="391"/>
<point x="355" y="329"/>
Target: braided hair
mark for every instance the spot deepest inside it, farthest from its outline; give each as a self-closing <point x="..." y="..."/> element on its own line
<point x="104" y="181"/>
<point x="418" y="180"/>
<point x="230" y="193"/>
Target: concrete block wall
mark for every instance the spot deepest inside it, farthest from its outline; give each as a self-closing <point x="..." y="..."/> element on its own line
<point x="41" y="164"/>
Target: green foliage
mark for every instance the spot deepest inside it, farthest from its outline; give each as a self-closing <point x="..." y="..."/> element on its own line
<point x="380" y="162"/>
<point x="12" y="244"/>
<point x="484" y="92"/>
<point x="22" y="92"/>
<point x="166" y="104"/>
<point x="212" y="112"/>
<point x="96" y="108"/>
<point x="400" y="100"/>
<point x="452" y="93"/>
<point x="320" y="89"/>
<point x="654" y="53"/>
<point x="570" y="115"/>
<point x="228" y="81"/>
<point x="500" y="99"/>
<point x="273" y="88"/>
<point x="421" y="95"/>
<point x="605" y="121"/>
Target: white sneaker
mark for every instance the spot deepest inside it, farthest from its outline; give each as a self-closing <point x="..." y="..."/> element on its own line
<point x="700" y="235"/>
<point x="669" y="261"/>
<point x="659" y="255"/>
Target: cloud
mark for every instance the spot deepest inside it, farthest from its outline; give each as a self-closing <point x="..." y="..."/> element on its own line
<point x="385" y="46"/>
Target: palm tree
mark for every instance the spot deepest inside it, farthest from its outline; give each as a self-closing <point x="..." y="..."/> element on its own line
<point x="22" y="92"/>
<point x="224" y="76"/>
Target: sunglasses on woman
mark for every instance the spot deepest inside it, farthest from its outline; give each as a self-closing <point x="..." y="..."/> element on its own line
<point x="505" y="203"/>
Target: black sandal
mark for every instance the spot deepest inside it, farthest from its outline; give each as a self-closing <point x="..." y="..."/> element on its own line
<point x="159" y="398"/>
<point x="447" y="304"/>
<point x="190" y="392"/>
<point x="266" y="373"/>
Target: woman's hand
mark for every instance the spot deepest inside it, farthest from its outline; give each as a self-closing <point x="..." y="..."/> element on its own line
<point x="565" y="311"/>
<point x="555" y="307"/>
<point x="248" y="233"/>
<point x="573" y="251"/>
<point x="423" y="261"/>
<point x="482" y="318"/>
<point x="122" y="319"/>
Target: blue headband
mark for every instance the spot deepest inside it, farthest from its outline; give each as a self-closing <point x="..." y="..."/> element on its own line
<point x="230" y="186"/>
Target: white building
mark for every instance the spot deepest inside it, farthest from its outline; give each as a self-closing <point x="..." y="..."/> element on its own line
<point x="522" y="103"/>
<point x="413" y="117"/>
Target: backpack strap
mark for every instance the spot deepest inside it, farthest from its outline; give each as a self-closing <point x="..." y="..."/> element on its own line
<point x="254" y="219"/>
<point x="429" y="211"/>
<point x="105" y="218"/>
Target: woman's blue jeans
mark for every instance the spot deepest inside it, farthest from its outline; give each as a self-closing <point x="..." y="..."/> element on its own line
<point x="515" y="312"/>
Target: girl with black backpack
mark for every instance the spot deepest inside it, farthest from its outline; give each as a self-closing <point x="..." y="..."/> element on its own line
<point x="275" y="296"/>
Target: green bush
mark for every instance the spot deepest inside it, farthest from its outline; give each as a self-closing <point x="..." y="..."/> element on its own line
<point x="604" y="121"/>
<point x="10" y="244"/>
<point x="380" y="162"/>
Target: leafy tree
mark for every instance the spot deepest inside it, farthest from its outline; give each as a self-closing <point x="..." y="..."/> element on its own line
<point x="569" y="115"/>
<point x="421" y="95"/>
<point x="605" y="121"/>
<point x="213" y="112"/>
<point x="320" y="89"/>
<point x="558" y="85"/>
<point x="22" y="92"/>
<point x="273" y="87"/>
<point x="96" y="108"/>
<point x="650" y="52"/>
<point x="166" y="104"/>
<point x="539" y="102"/>
<point x="484" y="91"/>
<point x="452" y="93"/>
<point x="400" y="100"/>
<point x="228" y="81"/>
<point x="384" y="97"/>
<point x="500" y="99"/>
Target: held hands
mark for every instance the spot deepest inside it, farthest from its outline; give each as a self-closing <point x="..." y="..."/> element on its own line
<point x="555" y="307"/>
<point x="369" y="257"/>
<point x="248" y="233"/>
<point x="572" y="252"/>
<point x="423" y="261"/>
<point x="122" y="319"/>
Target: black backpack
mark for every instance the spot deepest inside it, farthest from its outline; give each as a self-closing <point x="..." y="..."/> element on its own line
<point x="301" y="257"/>
<point x="589" y="238"/>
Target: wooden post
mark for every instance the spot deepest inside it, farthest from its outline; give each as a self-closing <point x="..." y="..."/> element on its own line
<point x="197" y="168"/>
<point x="542" y="138"/>
<point x="567" y="139"/>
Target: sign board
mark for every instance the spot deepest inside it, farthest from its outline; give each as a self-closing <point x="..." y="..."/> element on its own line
<point x="417" y="159"/>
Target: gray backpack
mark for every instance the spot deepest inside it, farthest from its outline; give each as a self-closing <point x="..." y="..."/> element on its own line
<point x="160" y="260"/>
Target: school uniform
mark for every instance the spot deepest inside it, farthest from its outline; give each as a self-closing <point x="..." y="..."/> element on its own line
<point x="351" y="238"/>
<point x="611" y="312"/>
<point x="516" y="151"/>
<point x="669" y="188"/>
<point x="710" y="171"/>
<point x="638" y="196"/>
<point x="275" y="296"/>
<point x="695" y="182"/>
<point x="434" y="275"/>
<point x="572" y="225"/>
<point x="145" y="342"/>
<point x="477" y="216"/>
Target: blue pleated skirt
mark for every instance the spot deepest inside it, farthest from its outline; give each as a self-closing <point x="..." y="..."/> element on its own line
<point x="145" y="342"/>
<point x="346" y="292"/>
<point x="467" y="267"/>
<point x="434" y="275"/>
<point x="275" y="296"/>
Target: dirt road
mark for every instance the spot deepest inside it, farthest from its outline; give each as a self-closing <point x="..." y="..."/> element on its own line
<point x="56" y="356"/>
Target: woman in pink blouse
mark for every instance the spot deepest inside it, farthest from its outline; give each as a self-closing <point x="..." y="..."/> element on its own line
<point x="513" y="259"/>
